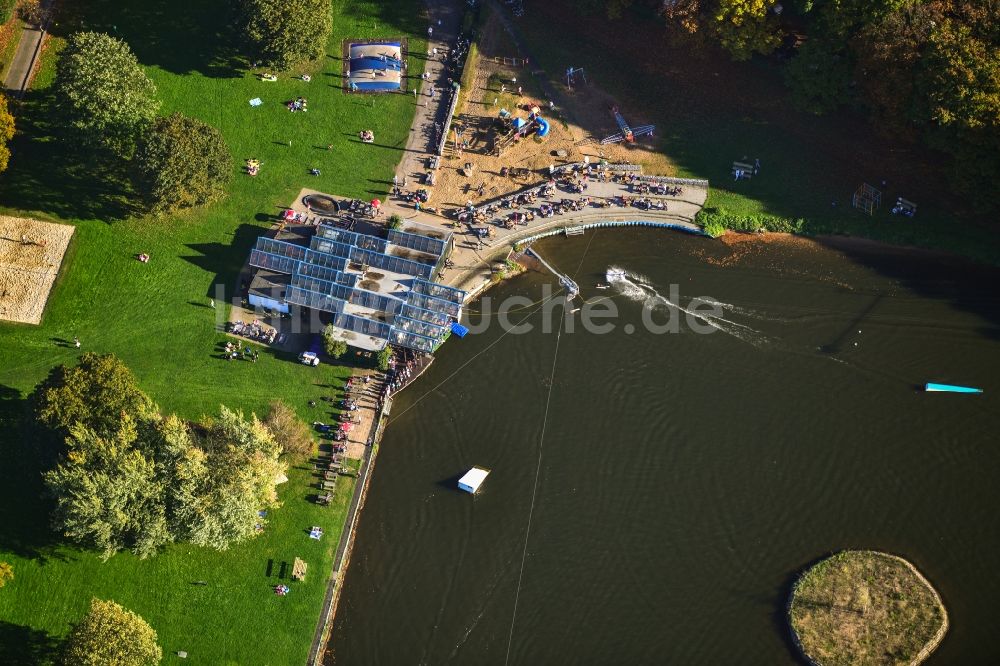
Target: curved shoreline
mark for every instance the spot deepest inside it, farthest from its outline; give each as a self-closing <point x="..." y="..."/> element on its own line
<point x="928" y="648"/>
<point x="475" y="278"/>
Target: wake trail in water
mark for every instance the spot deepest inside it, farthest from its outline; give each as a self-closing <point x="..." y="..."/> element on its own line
<point x="639" y="288"/>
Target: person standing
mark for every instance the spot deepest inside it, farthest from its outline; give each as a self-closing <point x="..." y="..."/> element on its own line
<point x="76" y="342"/>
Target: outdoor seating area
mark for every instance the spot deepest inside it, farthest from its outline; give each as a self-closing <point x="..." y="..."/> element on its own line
<point x="255" y="330"/>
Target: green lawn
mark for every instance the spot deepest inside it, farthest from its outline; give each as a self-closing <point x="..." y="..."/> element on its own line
<point x="710" y="112"/>
<point x="156" y="317"/>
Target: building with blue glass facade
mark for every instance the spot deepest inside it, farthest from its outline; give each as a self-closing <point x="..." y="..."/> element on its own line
<point x="374" y="285"/>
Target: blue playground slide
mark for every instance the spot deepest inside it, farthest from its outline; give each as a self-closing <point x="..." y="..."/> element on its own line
<point x="543" y="126"/>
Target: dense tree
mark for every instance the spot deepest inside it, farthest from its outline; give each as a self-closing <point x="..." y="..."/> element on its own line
<point x="958" y="94"/>
<point x="6" y="133"/>
<point x="291" y="432"/>
<point x="107" y="491"/>
<point x="287" y="33"/>
<point x="888" y="52"/>
<point x="140" y="481"/>
<point x="109" y="635"/>
<point x="959" y="77"/>
<point x="6" y="573"/>
<point x="839" y="19"/>
<point x="182" y="162"/>
<point x="104" y="92"/>
<point x="684" y="13"/>
<point x="383" y="358"/>
<point x="745" y="27"/>
<point x="820" y="76"/>
<point x="333" y="345"/>
<point x="94" y="394"/>
<point x="228" y="483"/>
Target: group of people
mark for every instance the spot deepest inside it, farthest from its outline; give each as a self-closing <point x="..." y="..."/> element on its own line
<point x="297" y="104"/>
<point x="252" y="166"/>
<point x="235" y="350"/>
<point x="663" y="189"/>
<point x="254" y="331"/>
<point x="366" y="136"/>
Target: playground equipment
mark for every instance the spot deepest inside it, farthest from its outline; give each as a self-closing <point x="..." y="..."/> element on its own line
<point x="543" y="126"/>
<point x="572" y="73"/>
<point x="627" y="134"/>
<point x="866" y="198"/>
<point x="513" y="129"/>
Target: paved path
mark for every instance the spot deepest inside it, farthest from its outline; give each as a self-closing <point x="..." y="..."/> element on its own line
<point x="472" y="258"/>
<point x="27" y="51"/>
<point x="419" y="147"/>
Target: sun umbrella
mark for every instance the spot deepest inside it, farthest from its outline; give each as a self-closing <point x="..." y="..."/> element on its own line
<point x="376" y="203"/>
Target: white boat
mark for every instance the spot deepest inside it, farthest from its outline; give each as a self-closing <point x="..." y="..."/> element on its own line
<point x="601" y="286"/>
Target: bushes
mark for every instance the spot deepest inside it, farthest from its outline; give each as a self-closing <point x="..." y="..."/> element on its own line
<point x="716" y="221"/>
<point x="289" y="430"/>
<point x="6" y="10"/>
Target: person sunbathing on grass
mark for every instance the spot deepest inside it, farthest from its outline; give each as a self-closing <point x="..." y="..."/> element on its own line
<point x="268" y="77"/>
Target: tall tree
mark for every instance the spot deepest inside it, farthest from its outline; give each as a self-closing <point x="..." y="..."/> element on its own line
<point x="333" y="345"/>
<point x="745" y="27"/>
<point x="107" y="491"/>
<point x="820" y="76"/>
<point x="182" y="162"/>
<point x="6" y="133"/>
<point x="104" y="92"/>
<point x="226" y="483"/>
<point x="95" y="393"/>
<point x="289" y="430"/>
<point x="109" y="635"/>
<point x="839" y="19"/>
<point x="887" y="53"/>
<point x="287" y="33"/>
<point x="958" y="84"/>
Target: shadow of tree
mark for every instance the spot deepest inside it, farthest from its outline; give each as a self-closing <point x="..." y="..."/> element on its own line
<point x="24" y="511"/>
<point x="226" y="261"/>
<point x="53" y="175"/>
<point x="21" y="645"/>
<point x="179" y="36"/>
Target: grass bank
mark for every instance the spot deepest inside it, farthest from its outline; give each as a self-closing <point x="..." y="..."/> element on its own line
<point x="156" y="317"/>
<point x="710" y="112"/>
<point x="865" y="608"/>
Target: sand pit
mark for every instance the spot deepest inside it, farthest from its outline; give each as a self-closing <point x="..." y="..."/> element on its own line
<point x="31" y="253"/>
<point x="581" y="118"/>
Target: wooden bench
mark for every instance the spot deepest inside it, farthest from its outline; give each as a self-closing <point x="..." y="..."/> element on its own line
<point x="299" y="569"/>
<point x="746" y="170"/>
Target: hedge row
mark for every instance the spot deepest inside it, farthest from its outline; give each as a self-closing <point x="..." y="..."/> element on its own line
<point x="717" y="220"/>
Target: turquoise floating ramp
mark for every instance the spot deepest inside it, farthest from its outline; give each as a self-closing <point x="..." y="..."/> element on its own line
<point x="948" y="388"/>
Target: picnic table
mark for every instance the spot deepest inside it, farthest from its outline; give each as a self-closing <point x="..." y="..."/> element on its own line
<point x="745" y="169"/>
<point x="328" y="484"/>
<point x="299" y="569"/>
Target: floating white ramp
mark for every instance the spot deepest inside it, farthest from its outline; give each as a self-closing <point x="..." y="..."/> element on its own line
<point x="472" y="479"/>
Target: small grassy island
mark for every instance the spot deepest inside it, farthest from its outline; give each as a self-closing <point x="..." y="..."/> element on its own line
<point x="865" y="607"/>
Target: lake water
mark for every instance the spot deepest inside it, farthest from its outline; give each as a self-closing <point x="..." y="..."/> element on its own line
<point x="671" y="486"/>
